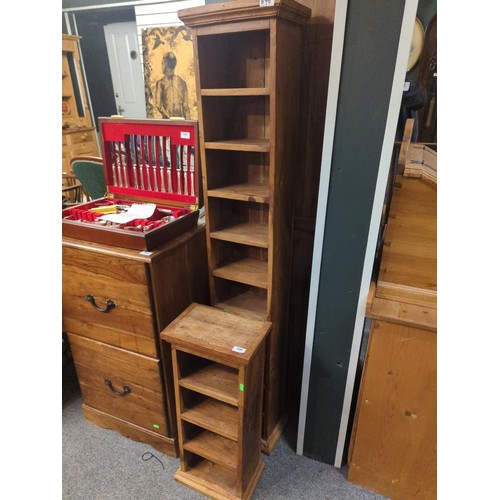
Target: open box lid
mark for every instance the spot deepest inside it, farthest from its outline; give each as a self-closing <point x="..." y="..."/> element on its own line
<point x="151" y="159"/>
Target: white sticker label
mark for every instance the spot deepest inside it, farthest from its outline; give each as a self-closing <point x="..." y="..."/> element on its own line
<point x="185" y="135"/>
<point x="266" y="3"/>
<point x="241" y="350"/>
<point x="406" y="86"/>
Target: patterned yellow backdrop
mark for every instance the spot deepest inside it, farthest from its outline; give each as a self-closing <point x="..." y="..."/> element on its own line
<point x="169" y="74"/>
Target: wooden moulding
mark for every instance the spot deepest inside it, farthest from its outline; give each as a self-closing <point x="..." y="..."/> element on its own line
<point x="164" y="444"/>
<point x="243" y="10"/>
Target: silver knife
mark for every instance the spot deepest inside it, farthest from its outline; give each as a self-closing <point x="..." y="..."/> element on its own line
<point x="185" y="167"/>
<point x="139" y="158"/>
<point x="133" y="158"/>
<point x="118" y="163"/>
<point x="113" y="163"/>
<point x="147" y="160"/>
<point x="154" y="152"/>
<point x="191" y="168"/>
<point x="178" y="167"/>
<point x="123" y="160"/>
<point x="169" y="167"/>
<point x="162" y="164"/>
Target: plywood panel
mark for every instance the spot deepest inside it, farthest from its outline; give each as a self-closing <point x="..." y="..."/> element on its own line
<point x="394" y="446"/>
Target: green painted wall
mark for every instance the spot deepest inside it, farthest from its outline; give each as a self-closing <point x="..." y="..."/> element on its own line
<point x="370" y="49"/>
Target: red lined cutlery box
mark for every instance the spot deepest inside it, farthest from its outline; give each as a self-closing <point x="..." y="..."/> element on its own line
<point x="152" y="171"/>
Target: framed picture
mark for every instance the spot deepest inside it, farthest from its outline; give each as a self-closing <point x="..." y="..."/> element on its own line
<point x="169" y="74"/>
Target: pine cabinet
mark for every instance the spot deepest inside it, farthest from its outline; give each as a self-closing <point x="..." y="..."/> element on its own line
<point x="394" y="440"/>
<point x="247" y="73"/>
<point x="78" y="134"/>
<point x="115" y="302"/>
<point x="218" y="366"/>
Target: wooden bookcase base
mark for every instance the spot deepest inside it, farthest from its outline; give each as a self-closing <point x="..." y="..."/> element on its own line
<point x="200" y="481"/>
<point x="268" y="445"/>
<point x="164" y="444"/>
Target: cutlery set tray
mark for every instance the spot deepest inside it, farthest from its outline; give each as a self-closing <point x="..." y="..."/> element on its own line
<point x="151" y="168"/>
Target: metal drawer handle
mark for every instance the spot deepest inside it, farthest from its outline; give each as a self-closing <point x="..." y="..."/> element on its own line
<point x="109" y="304"/>
<point x="126" y="388"/>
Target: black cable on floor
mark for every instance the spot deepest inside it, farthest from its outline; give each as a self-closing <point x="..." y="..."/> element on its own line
<point x="150" y="457"/>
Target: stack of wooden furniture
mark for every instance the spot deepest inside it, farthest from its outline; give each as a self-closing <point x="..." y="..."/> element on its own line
<point x="247" y="72"/>
<point x="123" y="283"/>
<point x="78" y="134"/>
<point x="218" y="361"/>
<point x="393" y="445"/>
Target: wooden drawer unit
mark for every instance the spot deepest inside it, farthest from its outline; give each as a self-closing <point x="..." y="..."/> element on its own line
<point x="120" y="382"/>
<point x="115" y="302"/>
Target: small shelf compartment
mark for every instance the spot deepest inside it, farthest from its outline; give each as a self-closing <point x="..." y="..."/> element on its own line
<point x="238" y="175"/>
<point x="241" y="300"/>
<point x="226" y="214"/>
<point x="209" y="477"/>
<point x="211" y="446"/>
<point x="247" y="233"/>
<point x="234" y="60"/>
<point x="249" y="271"/>
<point x="209" y="378"/>
<point x="212" y="415"/>
<point x="237" y="123"/>
<point x="240" y="262"/>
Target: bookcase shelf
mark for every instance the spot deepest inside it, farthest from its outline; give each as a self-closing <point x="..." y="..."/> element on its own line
<point x="214" y="448"/>
<point x="214" y="416"/>
<point x="215" y="380"/>
<point x="257" y="145"/>
<point x="247" y="67"/>
<point x="254" y="91"/>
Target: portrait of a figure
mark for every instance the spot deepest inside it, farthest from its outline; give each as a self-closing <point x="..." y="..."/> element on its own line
<point x="169" y="73"/>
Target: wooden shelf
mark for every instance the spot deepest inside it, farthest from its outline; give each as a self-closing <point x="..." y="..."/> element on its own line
<point x="257" y="193"/>
<point x="215" y="448"/>
<point x="248" y="304"/>
<point x="210" y="478"/>
<point x="228" y="92"/>
<point x="256" y="145"/>
<point x="248" y="233"/>
<point x="249" y="271"/>
<point x="217" y="381"/>
<point x="214" y="416"/>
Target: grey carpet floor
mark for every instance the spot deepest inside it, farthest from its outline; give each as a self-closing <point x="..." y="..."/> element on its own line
<point x="100" y="464"/>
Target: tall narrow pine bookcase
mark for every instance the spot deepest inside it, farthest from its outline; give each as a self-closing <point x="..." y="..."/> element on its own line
<point x="247" y="62"/>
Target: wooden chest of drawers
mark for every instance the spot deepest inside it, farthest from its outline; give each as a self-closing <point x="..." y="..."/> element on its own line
<point x="115" y="303"/>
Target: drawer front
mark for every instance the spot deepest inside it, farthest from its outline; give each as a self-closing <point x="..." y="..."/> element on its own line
<point x="81" y="137"/>
<point x="120" y="383"/>
<point x="85" y="149"/>
<point x="91" y="281"/>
